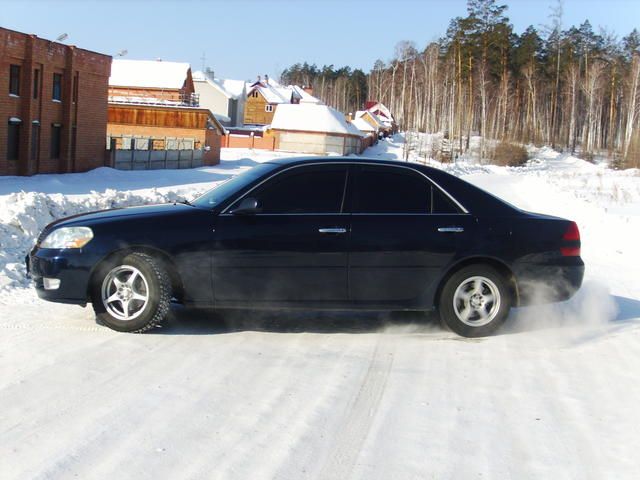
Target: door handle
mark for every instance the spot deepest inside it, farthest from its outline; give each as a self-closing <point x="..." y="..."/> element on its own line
<point x="332" y="230"/>
<point x="451" y="229"/>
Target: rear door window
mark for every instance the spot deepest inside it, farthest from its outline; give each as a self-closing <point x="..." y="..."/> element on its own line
<point x="388" y="190"/>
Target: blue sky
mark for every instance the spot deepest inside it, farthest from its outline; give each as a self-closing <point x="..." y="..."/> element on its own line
<point x="242" y="39"/>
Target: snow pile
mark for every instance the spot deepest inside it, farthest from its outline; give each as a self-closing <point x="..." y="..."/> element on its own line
<point x="23" y="215"/>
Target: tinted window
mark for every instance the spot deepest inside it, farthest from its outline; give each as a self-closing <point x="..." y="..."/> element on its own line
<point x="304" y="190"/>
<point x="440" y="203"/>
<point x="391" y="190"/>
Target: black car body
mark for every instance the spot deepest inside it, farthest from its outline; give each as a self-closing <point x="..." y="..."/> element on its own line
<point x="337" y="233"/>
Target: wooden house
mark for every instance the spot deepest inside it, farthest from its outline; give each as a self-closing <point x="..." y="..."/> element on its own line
<point x="153" y="105"/>
<point x="164" y="127"/>
<point x="263" y="97"/>
<point x="383" y="115"/>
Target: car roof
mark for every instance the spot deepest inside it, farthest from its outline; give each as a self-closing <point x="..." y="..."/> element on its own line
<point x="289" y="161"/>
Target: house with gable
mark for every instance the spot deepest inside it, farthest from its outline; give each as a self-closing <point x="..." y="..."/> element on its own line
<point x="225" y="98"/>
<point x="316" y="129"/>
<point x="383" y="115"/>
<point x="263" y="97"/>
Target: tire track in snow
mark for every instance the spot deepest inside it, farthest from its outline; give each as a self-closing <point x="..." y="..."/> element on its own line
<point x="359" y="417"/>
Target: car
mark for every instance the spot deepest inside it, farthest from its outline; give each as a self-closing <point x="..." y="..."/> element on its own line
<point x="314" y="233"/>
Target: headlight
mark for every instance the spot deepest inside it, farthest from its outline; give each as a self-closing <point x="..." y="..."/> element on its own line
<point x="68" y="237"/>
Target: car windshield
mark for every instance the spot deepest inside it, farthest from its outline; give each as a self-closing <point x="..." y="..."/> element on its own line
<point x="221" y="192"/>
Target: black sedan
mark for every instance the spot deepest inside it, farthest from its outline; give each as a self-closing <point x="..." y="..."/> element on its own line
<point x="314" y="233"/>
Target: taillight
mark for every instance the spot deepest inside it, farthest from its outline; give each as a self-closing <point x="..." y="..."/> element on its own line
<point x="571" y="235"/>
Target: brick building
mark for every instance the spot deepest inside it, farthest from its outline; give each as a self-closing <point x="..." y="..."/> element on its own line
<point x="53" y="106"/>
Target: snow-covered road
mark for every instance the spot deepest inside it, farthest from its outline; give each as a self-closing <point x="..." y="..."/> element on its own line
<point x="340" y="396"/>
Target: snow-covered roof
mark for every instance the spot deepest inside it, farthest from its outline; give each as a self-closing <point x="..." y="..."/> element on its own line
<point x="275" y="93"/>
<point x="310" y="117"/>
<point x="305" y="97"/>
<point x="148" y="73"/>
<point x="379" y="107"/>
<point x="362" y="125"/>
<point x="237" y="88"/>
<point x="229" y="88"/>
<point x="362" y="113"/>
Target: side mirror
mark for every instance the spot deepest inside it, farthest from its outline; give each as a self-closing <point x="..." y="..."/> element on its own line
<point x="248" y="206"/>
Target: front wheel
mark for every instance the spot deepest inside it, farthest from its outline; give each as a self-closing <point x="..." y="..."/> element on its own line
<point x="475" y="301"/>
<point x="132" y="294"/>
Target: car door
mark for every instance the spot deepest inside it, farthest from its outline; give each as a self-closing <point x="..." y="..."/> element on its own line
<point x="404" y="231"/>
<point x="293" y="248"/>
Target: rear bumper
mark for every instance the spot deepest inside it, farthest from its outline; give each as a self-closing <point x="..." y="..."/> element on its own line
<point x="539" y="284"/>
<point x="71" y="267"/>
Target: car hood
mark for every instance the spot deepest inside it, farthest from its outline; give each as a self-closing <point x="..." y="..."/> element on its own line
<point x="103" y="216"/>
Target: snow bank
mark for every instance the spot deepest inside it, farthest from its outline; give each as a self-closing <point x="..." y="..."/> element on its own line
<point x="23" y="215"/>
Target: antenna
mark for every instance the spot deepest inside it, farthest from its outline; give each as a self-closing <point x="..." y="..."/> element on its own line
<point x="204" y="60"/>
<point x="62" y="38"/>
<point x="122" y="53"/>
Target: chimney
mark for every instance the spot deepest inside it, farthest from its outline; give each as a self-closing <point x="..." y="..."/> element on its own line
<point x="266" y="79"/>
<point x="349" y="117"/>
<point x="259" y="78"/>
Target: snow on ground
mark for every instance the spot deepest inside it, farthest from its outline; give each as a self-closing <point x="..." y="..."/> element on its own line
<point x="331" y="396"/>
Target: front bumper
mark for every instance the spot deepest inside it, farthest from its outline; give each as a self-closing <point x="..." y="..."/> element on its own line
<point x="71" y="267"/>
<point x="538" y="284"/>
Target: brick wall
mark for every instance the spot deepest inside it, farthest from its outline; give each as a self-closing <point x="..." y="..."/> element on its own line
<point x="82" y="119"/>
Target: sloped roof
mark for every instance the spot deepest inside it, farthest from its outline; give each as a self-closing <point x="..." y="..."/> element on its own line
<point x="372" y="116"/>
<point x="379" y="107"/>
<point x="362" y="125"/>
<point x="230" y="88"/>
<point x="274" y="93"/>
<point x="148" y="73"/>
<point x="237" y="88"/>
<point x="304" y="96"/>
<point x="310" y="117"/>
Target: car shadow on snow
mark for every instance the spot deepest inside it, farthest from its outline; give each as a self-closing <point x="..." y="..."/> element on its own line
<point x="186" y="321"/>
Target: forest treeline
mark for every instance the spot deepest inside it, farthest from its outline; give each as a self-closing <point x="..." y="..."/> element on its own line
<point x="573" y="88"/>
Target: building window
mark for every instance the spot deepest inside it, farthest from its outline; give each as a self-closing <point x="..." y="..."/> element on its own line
<point x="56" y="137"/>
<point x="57" y="87"/>
<point x="268" y="108"/>
<point x="13" y="139"/>
<point x="36" y="83"/>
<point x="254" y="94"/>
<point x="14" y="80"/>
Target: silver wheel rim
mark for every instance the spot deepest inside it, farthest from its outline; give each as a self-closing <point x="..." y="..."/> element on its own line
<point x="125" y="292"/>
<point x="476" y="301"/>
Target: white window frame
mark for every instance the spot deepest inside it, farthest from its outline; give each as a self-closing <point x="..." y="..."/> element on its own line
<point x="268" y="108"/>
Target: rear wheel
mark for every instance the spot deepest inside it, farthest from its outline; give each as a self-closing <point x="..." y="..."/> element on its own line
<point x="132" y="294"/>
<point x="475" y="301"/>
